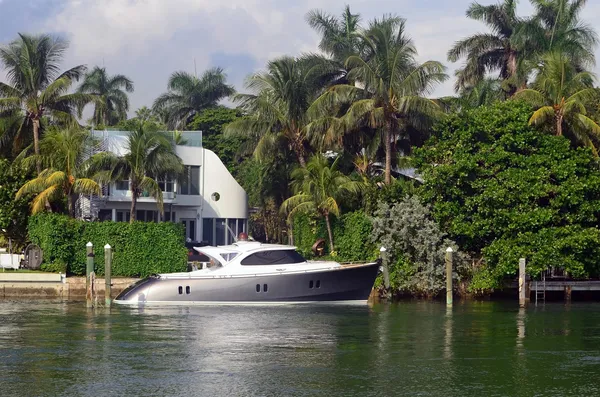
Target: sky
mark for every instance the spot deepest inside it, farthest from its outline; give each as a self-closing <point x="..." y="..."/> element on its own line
<point x="147" y="40"/>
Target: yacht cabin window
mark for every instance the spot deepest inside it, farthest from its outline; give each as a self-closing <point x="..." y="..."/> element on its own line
<point x="275" y="257"/>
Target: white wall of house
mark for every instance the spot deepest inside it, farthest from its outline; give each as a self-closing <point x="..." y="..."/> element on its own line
<point x="220" y="200"/>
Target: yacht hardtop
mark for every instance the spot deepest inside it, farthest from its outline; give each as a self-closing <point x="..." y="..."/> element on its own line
<point x="250" y="257"/>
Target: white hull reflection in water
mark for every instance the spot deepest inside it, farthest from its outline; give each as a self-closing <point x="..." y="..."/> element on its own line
<point x="252" y="273"/>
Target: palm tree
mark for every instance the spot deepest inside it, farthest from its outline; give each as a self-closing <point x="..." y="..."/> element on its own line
<point x="150" y="153"/>
<point x="277" y="111"/>
<point x="495" y="51"/>
<point x="389" y="96"/>
<point x="112" y="103"/>
<point x="188" y="95"/>
<point x="144" y="114"/>
<point x="485" y="92"/>
<point x="560" y="94"/>
<point x="62" y="154"/>
<point x="340" y="38"/>
<point x="318" y="188"/>
<point x="556" y="27"/>
<point x="36" y="87"/>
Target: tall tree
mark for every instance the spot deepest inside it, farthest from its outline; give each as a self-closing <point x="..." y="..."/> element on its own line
<point x="62" y="153"/>
<point x="557" y="27"/>
<point x="111" y="103"/>
<point x="36" y="87"/>
<point x="277" y="111"/>
<point x="150" y="153"/>
<point x="485" y="92"/>
<point x="340" y="37"/>
<point x="560" y="94"/>
<point x="188" y="95"/>
<point x="390" y="96"/>
<point x="495" y="51"/>
<point x="318" y="188"/>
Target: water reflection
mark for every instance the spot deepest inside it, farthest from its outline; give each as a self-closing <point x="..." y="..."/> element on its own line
<point x="448" y="334"/>
<point x="406" y="349"/>
<point x="520" y="329"/>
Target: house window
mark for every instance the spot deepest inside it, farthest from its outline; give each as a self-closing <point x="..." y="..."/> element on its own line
<point x="207" y="230"/>
<point x="122" y="185"/>
<point x="241" y="226"/>
<point x="220" y="231"/>
<point x="190" y="229"/>
<point x="195" y="180"/>
<point x="169" y="216"/>
<point x="190" y="183"/>
<point x="231" y="231"/>
<point x="165" y="184"/>
<point x="123" y="216"/>
<point x="146" y="216"/>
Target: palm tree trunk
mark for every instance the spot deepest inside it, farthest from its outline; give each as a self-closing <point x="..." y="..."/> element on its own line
<point x="133" y="205"/>
<point x="512" y="72"/>
<point x="559" y="120"/>
<point x="71" y="203"/>
<point x="388" y="154"/>
<point x="328" y="223"/>
<point x="36" y="143"/>
<point x="302" y="160"/>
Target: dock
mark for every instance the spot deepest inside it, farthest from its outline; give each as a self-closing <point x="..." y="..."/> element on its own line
<point x="54" y="285"/>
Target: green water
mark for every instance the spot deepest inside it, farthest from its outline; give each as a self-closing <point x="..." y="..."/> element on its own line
<point x="412" y="349"/>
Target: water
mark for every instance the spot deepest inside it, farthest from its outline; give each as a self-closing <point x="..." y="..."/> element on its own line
<point x="412" y="349"/>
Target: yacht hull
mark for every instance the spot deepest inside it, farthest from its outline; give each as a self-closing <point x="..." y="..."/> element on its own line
<point x="352" y="283"/>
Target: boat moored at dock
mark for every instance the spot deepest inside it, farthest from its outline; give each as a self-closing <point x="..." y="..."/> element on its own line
<point x="248" y="272"/>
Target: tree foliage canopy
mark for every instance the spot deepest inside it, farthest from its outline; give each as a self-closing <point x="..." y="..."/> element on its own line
<point x="503" y="191"/>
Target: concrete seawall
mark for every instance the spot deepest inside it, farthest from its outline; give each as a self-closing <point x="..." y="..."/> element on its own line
<point x="42" y="285"/>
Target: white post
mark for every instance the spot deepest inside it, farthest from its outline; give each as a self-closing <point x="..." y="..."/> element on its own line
<point x="386" y="272"/>
<point x="449" y="252"/>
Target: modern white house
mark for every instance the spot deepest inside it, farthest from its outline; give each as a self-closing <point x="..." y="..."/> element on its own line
<point x="208" y="201"/>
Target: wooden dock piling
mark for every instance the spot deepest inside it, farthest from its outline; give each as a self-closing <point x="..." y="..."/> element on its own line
<point x="449" y="252"/>
<point x="89" y="269"/>
<point x="107" y="273"/>
<point x="522" y="286"/>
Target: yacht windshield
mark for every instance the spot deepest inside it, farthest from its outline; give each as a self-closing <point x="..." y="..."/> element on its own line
<point x="275" y="257"/>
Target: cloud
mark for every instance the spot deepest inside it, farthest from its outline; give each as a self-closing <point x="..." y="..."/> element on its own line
<point x="149" y="39"/>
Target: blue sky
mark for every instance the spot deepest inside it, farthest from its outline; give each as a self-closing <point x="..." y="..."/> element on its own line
<point x="149" y="39"/>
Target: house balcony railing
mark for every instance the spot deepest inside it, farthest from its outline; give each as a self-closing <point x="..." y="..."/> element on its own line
<point x="125" y="195"/>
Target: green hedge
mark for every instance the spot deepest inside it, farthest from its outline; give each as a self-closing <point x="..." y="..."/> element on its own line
<point x="140" y="249"/>
<point x="351" y="236"/>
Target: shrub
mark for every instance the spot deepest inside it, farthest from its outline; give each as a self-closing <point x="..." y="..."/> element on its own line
<point x="415" y="248"/>
<point x="140" y="249"/>
<point x="351" y="236"/>
<point x="503" y="190"/>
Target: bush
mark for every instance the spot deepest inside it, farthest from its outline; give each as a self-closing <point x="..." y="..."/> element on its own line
<point x="140" y="249"/>
<point x="416" y="248"/>
<point x="307" y="230"/>
<point x="503" y="190"/>
<point x="351" y="236"/>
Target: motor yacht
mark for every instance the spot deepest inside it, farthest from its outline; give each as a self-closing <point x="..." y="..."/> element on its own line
<point x="248" y="272"/>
